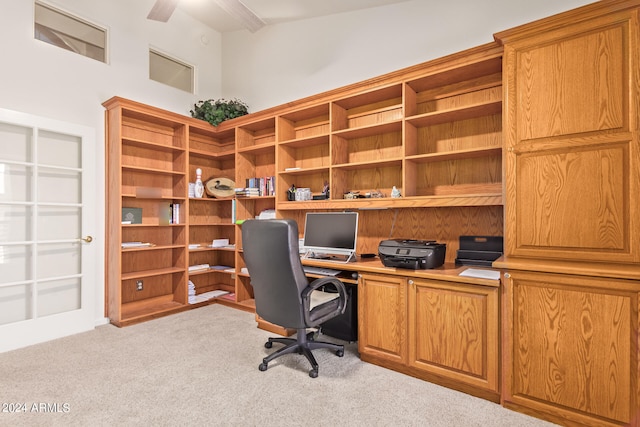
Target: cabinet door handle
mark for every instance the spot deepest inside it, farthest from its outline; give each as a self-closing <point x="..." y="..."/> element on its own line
<point x="507" y="275"/>
<point x="410" y="282"/>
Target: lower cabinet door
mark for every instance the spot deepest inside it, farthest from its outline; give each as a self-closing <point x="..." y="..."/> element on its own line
<point x="571" y="347"/>
<point x="382" y="307"/>
<point x="454" y="331"/>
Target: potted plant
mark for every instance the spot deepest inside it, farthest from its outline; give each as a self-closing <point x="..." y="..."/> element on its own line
<point x="219" y="110"/>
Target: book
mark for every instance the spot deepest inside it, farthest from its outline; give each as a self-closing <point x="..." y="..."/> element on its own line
<point x="135" y="244"/>
<point x="198" y="267"/>
<point x="134" y="215"/>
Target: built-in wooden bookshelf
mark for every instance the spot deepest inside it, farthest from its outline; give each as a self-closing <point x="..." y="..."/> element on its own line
<point x="567" y="208"/>
<point x="433" y="131"/>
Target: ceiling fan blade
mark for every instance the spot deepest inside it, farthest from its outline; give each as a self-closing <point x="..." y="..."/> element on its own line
<point x="162" y="10"/>
<point x="242" y="13"/>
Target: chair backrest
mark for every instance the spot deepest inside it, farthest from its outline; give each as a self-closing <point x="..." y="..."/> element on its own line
<point x="270" y="248"/>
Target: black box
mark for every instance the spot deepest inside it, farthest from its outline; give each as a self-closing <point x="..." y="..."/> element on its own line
<point x="479" y="250"/>
<point x="345" y="326"/>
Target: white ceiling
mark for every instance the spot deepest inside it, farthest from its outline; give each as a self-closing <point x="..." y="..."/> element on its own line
<point x="273" y="11"/>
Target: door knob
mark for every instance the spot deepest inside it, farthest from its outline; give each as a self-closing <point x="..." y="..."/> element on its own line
<point x="87" y="239"/>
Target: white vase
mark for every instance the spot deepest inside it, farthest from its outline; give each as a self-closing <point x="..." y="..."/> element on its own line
<point x="199" y="190"/>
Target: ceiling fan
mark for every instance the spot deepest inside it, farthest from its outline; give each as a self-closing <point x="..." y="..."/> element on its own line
<point x="163" y="9"/>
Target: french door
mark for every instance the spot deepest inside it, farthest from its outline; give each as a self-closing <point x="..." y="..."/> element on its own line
<point x="47" y="219"/>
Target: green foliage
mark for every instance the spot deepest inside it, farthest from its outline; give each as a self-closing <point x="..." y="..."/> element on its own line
<point x="219" y="110"/>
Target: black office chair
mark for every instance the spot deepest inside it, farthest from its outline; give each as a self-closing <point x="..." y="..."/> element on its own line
<point x="282" y="293"/>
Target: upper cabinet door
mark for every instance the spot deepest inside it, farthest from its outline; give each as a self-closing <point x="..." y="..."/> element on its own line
<point x="571" y="156"/>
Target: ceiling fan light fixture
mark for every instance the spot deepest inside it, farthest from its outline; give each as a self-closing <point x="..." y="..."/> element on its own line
<point x="238" y="10"/>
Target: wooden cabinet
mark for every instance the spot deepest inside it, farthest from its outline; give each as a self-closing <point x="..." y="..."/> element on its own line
<point x="382" y="317"/>
<point x="571" y="347"/>
<point x="572" y="216"/>
<point x="454" y="333"/>
<point x="441" y="331"/>
<point x="572" y="151"/>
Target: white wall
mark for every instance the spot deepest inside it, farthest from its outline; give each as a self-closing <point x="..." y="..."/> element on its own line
<point x="273" y="66"/>
<point x="282" y="63"/>
<point x="44" y="80"/>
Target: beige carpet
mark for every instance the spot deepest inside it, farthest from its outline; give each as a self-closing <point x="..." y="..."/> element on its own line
<point x="200" y="367"/>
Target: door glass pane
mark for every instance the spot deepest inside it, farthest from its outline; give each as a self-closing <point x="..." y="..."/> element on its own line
<point x="59" y="186"/>
<point x="58" y="296"/>
<point x="15" y="142"/>
<point x="59" y="222"/>
<point x="15" y="263"/>
<point x="15" y="303"/>
<point x="15" y="223"/>
<point x="15" y="182"/>
<point x="58" y="259"/>
<point x="56" y="149"/>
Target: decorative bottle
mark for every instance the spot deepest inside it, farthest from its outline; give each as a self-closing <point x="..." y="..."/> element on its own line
<point x="199" y="184"/>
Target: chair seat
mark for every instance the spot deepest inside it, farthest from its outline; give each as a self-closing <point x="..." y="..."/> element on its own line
<point x="321" y="297"/>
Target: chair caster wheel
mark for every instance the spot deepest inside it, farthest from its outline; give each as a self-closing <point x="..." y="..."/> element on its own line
<point x="263" y="367"/>
<point x="313" y="373"/>
<point x="339" y="353"/>
<point x="268" y="344"/>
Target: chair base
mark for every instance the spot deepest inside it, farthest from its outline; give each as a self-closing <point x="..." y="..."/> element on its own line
<point x="302" y="344"/>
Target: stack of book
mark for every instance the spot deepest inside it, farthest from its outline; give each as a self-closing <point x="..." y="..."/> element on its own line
<point x="174" y="213"/>
<point x="247" y="192"/>
<point x="198" y="267"/>
<point x="192" y="293"/>
<point x="265" y="186"/>
<point x="126" y="245"/>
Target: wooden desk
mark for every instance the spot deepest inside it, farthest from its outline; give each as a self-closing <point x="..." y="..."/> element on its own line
<point x="430" y="324"/>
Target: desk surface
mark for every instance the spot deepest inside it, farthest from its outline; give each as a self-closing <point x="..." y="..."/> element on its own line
<point x="447" y="272"/>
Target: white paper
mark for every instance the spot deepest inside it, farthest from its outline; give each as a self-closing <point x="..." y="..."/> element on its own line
<point x="481" y="274"/>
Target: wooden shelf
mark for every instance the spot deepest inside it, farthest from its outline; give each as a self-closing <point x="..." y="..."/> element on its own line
<point x="150" y="308"/>
<point x="370" y="130"/>
<point x="304" y="171"/>
<point x="306" y="142"/>
<point x="368" y="165"/>
<point x="488" y="199"/>
<point x="228" y="154"/>
<point x="454" y="155"/>
<point x="151" y="273"/>
<point x="150" y="248"/>
<point x="258" y="149"/>
<point x="153" y="145"/>
<point x="151" y="170"/>
<point x="456" y="114"/>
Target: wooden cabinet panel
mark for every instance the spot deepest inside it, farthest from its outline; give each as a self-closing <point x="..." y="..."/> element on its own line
<point x="575" y="199"/>
<point x="454" y="331"/>
<point x="382" y="317"/>
<point x="571" y="346"/>
<point x="572" y="160"/>
<point x="588" y="69"/>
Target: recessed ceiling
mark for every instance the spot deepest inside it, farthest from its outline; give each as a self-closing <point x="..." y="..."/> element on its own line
<point x="273" y="11"/>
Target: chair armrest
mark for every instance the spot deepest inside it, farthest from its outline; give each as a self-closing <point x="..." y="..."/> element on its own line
<point x="317" y="284"/>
